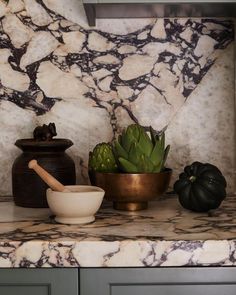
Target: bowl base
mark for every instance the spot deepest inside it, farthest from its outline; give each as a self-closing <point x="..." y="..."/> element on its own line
<point x="130" y="206"/>
<point x="75" y="220"/>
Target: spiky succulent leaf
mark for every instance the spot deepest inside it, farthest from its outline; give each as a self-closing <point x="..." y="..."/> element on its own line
<point x="158" y="168"/>
<point x="165" y="156"/>
<point x="127" y="166"/>
<point x="134" y="131"/>
<point x="126" y="141"/>
<point x="102" y="159"/>
<point x="162" y="139"/>
<point x="119" y="150"/>
<point x="137" y="152"/>
<point x="131" y="135"/>
<point x="145" y="143"/>
<point x="146" y="164"/>
<point x="154" y="135"/>
<point x="157" y="155"/>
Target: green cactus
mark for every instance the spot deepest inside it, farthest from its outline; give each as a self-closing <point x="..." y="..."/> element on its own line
<point x="102" y="159"/>
<point x="136" y="152"/>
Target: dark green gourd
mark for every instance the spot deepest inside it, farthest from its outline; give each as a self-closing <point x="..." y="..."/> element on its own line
<point x="201" y="187"/>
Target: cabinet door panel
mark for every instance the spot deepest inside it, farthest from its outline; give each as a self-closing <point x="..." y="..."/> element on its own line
<point x="39" y="281"/>
<point x="159" y="281"/>
<point x="174" y="290"/>
<point x="25" y="290"/>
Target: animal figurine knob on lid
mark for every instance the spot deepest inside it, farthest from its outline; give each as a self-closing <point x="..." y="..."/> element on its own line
<point x="45" y="132"/>
<point x="50" y="154"/>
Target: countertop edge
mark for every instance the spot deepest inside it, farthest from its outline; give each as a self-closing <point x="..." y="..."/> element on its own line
<point x="127" y="253"/>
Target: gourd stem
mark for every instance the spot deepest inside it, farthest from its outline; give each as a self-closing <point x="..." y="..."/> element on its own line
<point x="192" y="178"/>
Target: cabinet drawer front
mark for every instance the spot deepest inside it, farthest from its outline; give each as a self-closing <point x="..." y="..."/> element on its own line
<point x="39" y="281"/>
<point x="174" y="290"/>
<point x="158" y="281"/>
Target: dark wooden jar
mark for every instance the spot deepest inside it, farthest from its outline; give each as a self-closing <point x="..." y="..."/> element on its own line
<point x="28" y="188"/>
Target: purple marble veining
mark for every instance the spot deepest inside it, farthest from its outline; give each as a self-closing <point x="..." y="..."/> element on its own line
<point x="164" y="235"/>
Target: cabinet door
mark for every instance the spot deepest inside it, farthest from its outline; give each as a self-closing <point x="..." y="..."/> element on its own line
<point x="158" y="281"/>
<point x="39" y="281"/>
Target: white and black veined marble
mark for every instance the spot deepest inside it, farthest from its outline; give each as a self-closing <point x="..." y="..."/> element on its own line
<point x="164" y="235"/>
<point x="92" y="82"/>
<point x="181" y="52"/>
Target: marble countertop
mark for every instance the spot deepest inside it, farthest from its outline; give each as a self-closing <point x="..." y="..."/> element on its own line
<point x="164" y="235"/>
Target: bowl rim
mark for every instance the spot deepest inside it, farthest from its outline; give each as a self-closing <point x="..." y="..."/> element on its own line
<point x="165" y="171"/>
<point x="98" y="190"/>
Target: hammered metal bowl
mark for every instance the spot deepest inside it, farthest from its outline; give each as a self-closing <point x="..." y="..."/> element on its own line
<point x="131" y="192"/>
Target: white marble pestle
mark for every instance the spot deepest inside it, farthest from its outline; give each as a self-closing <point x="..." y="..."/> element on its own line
<point x="52" y="182"/>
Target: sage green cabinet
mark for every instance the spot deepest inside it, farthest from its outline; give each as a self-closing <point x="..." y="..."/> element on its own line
<point x="158" y="281"/>
<point x="119" y="281"/>
<point x="39" y="281"/>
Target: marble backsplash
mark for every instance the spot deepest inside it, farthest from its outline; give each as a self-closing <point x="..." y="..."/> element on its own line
<point x="169" y="73"/>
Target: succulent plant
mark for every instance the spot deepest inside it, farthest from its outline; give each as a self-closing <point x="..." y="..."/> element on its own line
<point x="137" y="152"/>
<point x="102" y="159"/>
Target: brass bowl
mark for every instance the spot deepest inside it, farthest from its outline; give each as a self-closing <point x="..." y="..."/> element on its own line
<point x="131" y="192"/>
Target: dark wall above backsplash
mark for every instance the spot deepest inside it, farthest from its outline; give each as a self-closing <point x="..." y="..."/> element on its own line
<point x="157" y="9"/>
